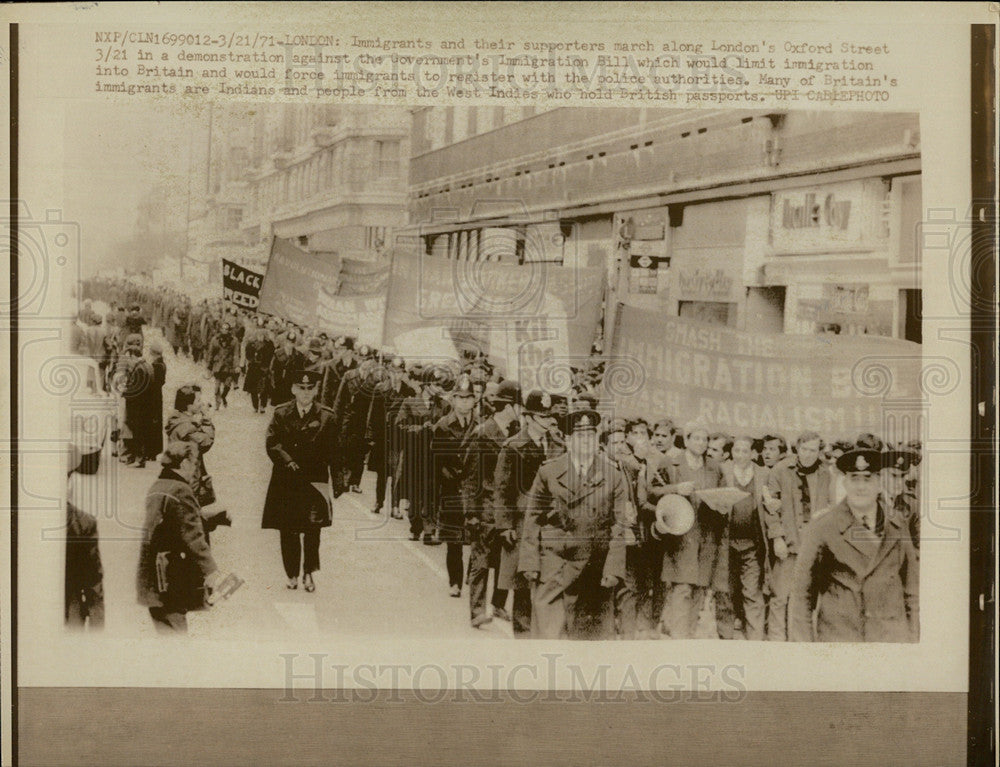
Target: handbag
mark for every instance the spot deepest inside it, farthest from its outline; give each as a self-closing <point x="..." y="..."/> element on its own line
<point x="206" y="490"/>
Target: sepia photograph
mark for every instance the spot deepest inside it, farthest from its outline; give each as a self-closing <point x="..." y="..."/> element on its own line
<point x="567" y="373"/>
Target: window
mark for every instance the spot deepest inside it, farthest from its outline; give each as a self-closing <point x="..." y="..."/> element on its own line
<point x="234" y="217"/>
<point x="387" y="159"/>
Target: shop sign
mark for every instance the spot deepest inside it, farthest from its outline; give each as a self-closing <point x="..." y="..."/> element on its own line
<point x="834" y="217"/>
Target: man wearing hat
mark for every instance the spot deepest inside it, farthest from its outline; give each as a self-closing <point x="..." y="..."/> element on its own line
<point x="899" y="493"/>
<point x="301" y="443"/>
<point x="517" y="464"/>
<point x="857" y="577"/>
<point x="413" y="423"/>
<point x="224" y="362"/>
<point x="387" y="399"/>
<point x="351" y="409"/>
<point x="573" y="547"/>
<point x="449" y="437"/>
<point x="481" y="455"/>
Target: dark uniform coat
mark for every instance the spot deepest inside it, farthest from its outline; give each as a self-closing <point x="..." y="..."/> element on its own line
<point x="574" y="531"/>
<point x="481" y="456"/>
<point x="259" y="351"/>
<point x="380" y="432"/>
<point x="173" y="525"/>
<point x="413" y="427"/>
<point x="863" y="587"/>
<point x="517" y="464"/>
<point x="292" y="503"/>
<point x="448" y="443"/>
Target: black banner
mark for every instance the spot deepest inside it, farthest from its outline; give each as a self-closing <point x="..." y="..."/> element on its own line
<point x="240" y="285"/>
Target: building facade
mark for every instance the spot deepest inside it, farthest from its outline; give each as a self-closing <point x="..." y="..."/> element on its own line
<point x="796" y="222"/>
<point x="333" y="179"/>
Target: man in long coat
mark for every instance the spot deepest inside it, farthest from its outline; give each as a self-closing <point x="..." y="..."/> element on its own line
<point x="413" y="423"/>
<point x="517" y="464"/>
<point x="387" y="399"/>
<point x="301" y="443"/>
<point x="481" y="454"/>
<point x="258" y="351"/>
<point x="448" y="440"/>
<point x="351" y="410"/>
<point x="573" y="547"/>
<point x="857" y="573"/>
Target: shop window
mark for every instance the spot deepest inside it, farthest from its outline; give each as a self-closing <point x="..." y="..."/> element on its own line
<point x="709" y="312"/>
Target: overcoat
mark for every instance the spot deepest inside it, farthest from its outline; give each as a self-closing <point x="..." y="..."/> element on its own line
<point x="448" y="443"/>
<point x="517" y="464"/>
<point x="573" y="521"/>
<point x="173" y="526"/>
<point x="862" y="587"/>
<point x="293" y="504"/>
<point x="789" y="521"/>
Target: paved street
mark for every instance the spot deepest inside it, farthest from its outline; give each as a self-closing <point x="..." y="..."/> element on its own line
<point x="374" y="581"/>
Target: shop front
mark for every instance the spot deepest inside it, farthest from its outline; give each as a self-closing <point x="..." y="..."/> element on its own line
<point x="843" y="255"/>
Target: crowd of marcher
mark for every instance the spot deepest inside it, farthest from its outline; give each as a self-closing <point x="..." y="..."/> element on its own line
<point x="578" y="522"/>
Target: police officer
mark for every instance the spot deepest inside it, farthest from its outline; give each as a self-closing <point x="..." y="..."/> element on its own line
<point x="517" y="463"/>
<point x="412" y="427"/>
<point x="481" y="458"/>
<point x="573" y="547"/>
<point x="856" y="579"/>
<point x="387" y="399"/>
<point x="300" y="443"/>
<point x="351" y="409"/>
<point x="449" y="437"/>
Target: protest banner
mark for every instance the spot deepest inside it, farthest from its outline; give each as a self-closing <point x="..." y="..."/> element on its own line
<point x="293" y="281"/>
<point x="240" y="285"/>
<point x="521" y="316"/>
<point x="735" y="381"/>
<point x="360" y="317"/>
